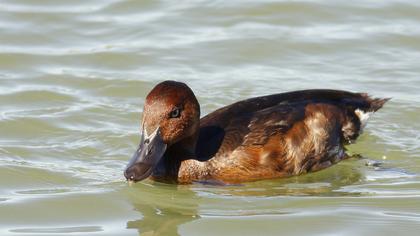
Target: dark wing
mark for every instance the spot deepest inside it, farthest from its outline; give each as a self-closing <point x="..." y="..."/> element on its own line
<point x="247" y="129"/>
<point x="223" y="130"/>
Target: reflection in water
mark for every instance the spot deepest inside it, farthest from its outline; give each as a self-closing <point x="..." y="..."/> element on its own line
<point x="159" y="221"/>
<point x="164" y="208"/>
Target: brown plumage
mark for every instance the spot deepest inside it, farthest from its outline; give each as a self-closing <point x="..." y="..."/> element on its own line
<point x="265" y="137"/>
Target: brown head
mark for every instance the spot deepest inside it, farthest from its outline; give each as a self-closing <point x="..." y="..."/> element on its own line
<point x="171" y="114"/>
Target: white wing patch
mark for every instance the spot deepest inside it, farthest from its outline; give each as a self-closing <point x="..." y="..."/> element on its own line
<point x="363" y="117"/>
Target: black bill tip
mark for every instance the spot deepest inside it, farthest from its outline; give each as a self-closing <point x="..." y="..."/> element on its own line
<point x="138" y="172"/>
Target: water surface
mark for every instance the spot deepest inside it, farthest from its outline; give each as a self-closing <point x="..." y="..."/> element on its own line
<point x="74" y="74"/>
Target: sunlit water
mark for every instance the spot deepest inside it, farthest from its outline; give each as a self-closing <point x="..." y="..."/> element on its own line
<point x="74" y="74"/>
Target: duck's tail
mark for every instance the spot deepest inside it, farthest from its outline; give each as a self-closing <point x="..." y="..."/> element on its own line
<point x="362" y="112"/>
<point x="374" y="104"/>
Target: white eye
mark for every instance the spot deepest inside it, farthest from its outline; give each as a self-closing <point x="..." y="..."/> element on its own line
<point x="175" y="113"/>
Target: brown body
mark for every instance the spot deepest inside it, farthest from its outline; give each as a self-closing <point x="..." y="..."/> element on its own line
<point x="260" y="138"/>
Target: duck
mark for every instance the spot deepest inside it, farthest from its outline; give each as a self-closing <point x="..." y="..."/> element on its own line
<point x="267" y="137"/>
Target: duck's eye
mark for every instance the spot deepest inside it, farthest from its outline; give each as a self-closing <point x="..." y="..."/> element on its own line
<point x="175" y="113"/>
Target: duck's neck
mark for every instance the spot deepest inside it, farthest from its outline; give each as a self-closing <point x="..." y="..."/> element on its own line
<point x="179" y="163"/>
<point x="184" y="149"/>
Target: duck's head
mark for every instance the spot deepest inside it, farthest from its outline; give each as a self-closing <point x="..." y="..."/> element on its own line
<point x="171" y="113"/>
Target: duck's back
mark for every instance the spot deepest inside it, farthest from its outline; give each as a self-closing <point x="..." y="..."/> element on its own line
<point x="282" y="134"/>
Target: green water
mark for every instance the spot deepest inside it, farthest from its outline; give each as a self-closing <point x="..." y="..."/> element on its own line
<point x="74" y="74"/>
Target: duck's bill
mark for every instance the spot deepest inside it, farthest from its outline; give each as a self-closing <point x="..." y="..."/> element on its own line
<point x="147" y="156"/>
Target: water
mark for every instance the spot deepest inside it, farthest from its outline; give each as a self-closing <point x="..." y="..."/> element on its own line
<point x="74" y="74"/>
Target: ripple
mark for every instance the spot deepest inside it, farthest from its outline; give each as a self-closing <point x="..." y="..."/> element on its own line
<point x="24" y="96"/>
<point x="404" y="215"/>
<point x="43" y="191"/>
<point x="54" y="6"/>
<point x="59" y="230"/>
